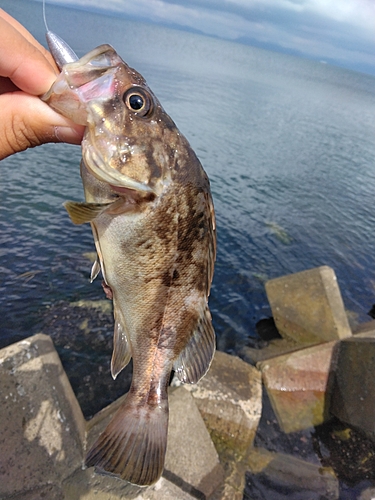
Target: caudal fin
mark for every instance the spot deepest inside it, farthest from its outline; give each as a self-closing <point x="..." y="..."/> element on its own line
<point x="134" y="443"/>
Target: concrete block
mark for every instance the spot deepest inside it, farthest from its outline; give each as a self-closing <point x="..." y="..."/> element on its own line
<point x="308" y="306"/>
<point x="353" y="395"/>
<point x="229" y="398"/>
<point x="365" y="329"/>
<point x="273" y="474"/>
<point x="191" y="457"/>
<point x="274" y="348"/>
<point x="46" y="492"/>
<point x="42" y="426"/>
<point x="87" y="485"/>
<point x="297" y="384"/>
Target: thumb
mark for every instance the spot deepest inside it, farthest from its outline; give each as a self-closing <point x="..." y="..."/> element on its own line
<point x="26" y="122"/>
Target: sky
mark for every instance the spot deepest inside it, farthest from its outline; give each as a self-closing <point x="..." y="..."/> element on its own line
<point x="340" y="32"/>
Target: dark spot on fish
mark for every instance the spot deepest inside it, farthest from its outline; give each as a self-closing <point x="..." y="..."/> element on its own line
<point x="166" y="279"/>
<point x="176" y="275"/>
<point x="156" y="170"/>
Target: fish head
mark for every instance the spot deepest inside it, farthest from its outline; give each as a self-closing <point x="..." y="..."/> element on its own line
<point x="130" y="142"/>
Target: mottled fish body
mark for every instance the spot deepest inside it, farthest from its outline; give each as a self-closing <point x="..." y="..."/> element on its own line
<point x="149" y="204"/>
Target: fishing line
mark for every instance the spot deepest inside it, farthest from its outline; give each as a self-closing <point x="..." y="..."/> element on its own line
<point x="44" y="16"/>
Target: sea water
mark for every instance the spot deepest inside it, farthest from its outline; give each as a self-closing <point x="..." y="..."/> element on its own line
<point x="288" y="145"/>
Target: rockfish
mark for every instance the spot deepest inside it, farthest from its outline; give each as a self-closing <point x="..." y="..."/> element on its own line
<point x="149" y="204"/>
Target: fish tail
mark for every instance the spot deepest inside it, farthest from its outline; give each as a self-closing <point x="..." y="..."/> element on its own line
<point x="134" y="443"/>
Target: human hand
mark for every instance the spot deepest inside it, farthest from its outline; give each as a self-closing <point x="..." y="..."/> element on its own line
<point x="27" y="70"/>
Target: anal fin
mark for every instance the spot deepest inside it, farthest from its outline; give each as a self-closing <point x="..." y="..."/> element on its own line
<point x="195" y="360"/>
<point x="121" y="354"/>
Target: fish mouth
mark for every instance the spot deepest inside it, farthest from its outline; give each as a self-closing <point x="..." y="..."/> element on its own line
<point x="119" y="182"/>
<point x="91" y="78"/>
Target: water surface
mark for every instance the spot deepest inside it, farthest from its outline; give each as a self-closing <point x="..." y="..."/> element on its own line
<point x="287" y="143"/>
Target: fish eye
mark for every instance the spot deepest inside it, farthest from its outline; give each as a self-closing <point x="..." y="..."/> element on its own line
<point x="138" y="101"/>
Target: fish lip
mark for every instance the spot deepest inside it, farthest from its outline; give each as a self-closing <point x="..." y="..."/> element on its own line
<point x="96" y="165"/>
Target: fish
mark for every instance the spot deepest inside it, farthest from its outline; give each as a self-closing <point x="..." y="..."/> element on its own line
<point x="149" y="203"/>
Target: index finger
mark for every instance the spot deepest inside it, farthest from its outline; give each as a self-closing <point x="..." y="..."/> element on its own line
<point x="23" y="59"/>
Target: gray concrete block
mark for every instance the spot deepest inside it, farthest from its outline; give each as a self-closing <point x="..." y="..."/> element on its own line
<point x="308" y="306"/>
<point x="42" y="426"/>
<point x="88" y="485"/>
<point x="191" y="460"/>
<point x="229" y="398"/>
<point x="45" y="492"/>
<point x="353" y="395"/>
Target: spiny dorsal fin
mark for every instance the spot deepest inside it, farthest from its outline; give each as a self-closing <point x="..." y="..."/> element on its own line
<point x="195" y="360"/>
<point x="81" y="212"/>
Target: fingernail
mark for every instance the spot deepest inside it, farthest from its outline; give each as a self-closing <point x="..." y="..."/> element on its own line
<point x="69" y="134"/>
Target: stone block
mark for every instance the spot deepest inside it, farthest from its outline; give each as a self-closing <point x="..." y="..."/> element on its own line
<point x="353" y="395"/>
<point x="276" y="475"/>
<point x="297" y="385"/>
<point x="42" y="426"/>
<point x="308" y="306"/>
<point x="229" y="398"/>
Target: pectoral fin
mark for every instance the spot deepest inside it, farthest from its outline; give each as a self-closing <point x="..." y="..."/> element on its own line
<point x="81" y="212"/>
<point x="121" y="350"/>
<point x="194" y="361"/>
<point x="95" y="270"/>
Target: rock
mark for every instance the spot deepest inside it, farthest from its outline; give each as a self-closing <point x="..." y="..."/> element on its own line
<point x="229" y="398"/>
<point x="279" y="476"/>
<point x="42" y="426"/>
<point x="308" y="307"/>
<point x="297" y="384"/>
<point x="353" y="393"/>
